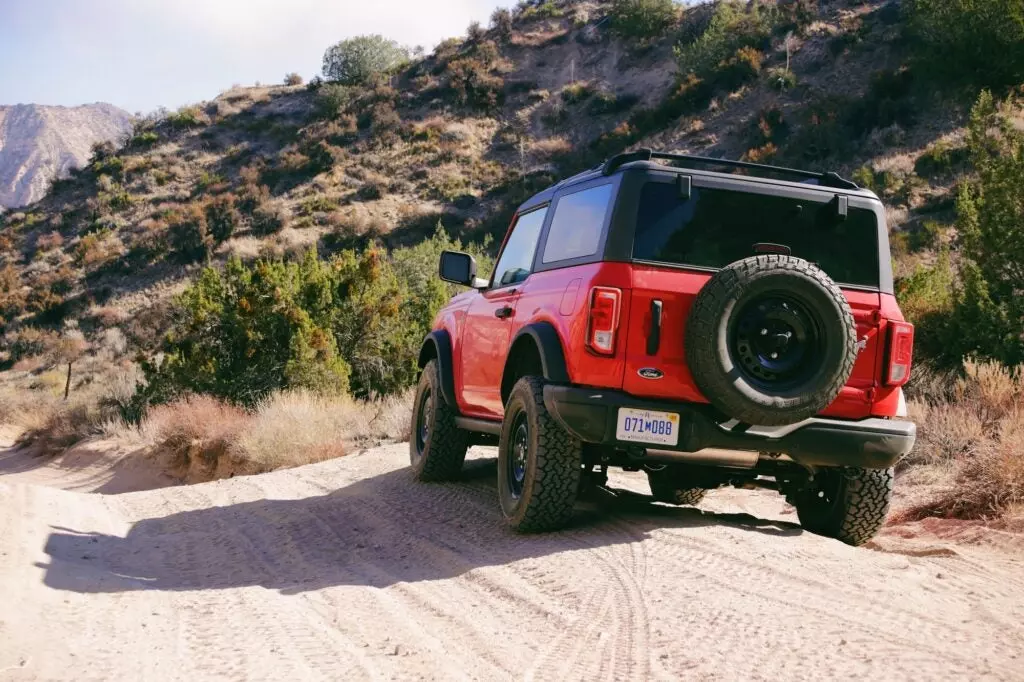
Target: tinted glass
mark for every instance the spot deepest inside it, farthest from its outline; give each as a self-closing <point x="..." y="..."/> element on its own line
<point x="517" y="257"/>
<point x="576" y="226"/>
<point x="717" y="227"/>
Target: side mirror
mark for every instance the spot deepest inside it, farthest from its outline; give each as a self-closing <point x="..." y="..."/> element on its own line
<point x="459" y="268"/>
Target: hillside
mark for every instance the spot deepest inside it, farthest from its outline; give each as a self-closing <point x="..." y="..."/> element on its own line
<point x="89" y="274"/>
<point x="41" y="143"/>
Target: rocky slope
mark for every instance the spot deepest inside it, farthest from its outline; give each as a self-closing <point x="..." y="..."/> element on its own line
<point x="40" y="143"/>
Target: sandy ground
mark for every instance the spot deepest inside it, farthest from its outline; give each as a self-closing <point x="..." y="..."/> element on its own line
<point x="349" y="570"/>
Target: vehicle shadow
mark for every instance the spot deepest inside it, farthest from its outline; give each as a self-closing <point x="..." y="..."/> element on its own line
<point x="374" y="532"/>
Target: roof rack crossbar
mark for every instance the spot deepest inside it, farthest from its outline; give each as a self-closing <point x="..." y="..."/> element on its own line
<point x="829" y="179"/>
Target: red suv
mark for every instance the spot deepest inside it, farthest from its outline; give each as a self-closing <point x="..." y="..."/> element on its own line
<point x="708" y="328"/>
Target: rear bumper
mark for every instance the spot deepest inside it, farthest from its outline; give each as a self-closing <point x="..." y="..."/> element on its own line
<point x="591" y="415"/>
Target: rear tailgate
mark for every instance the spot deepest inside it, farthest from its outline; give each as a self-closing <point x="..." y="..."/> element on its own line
<point x="659" y="369"/>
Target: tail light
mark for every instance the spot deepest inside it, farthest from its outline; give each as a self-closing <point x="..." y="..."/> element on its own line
<point x="604" y="319"/>
<point x="901" y="352"/>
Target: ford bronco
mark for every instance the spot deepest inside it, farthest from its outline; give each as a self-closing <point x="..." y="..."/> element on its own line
<point x="708" y="322"/>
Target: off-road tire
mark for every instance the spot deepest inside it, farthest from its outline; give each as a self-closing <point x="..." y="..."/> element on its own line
<point x="717" y="373"/>
<point x="859" y="512"/>
<point x="664" y="489"/>
<point x="553" y="464"/>
<point x="444" y="451"/>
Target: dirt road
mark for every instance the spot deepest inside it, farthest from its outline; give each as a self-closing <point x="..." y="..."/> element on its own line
<point x="348" y="570"/>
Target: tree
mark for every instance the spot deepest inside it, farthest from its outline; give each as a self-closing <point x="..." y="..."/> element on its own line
<point x="989" y="315"/>
<point x="363" y="60"/>
<point x="501" y="22"/>
<point x="293" y="79"/>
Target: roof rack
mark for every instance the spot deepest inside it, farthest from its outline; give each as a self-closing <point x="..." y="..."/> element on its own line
<point x="829" y="179"/>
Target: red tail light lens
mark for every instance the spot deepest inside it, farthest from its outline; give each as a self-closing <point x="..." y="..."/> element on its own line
<point x="604" y="319"/>
<point x="901" y="352"/>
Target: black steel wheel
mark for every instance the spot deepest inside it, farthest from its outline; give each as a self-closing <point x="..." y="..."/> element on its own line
<point x="539" y="463"/>
<point x="771" y="340"/>
<point x="437" y="447"/>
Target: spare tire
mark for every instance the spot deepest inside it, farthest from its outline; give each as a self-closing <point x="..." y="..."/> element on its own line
<point x="771" y="340"/>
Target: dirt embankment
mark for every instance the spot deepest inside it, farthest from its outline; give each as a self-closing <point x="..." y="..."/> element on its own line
<point x="348" y="570"/>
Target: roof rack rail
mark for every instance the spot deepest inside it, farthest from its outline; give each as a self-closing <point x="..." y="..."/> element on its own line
<point x="829" y="179"/>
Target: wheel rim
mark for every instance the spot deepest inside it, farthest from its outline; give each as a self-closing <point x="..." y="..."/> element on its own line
<point x="518" y="452"/>
<point x="425" y="414"/>
<point x="776" y="342"/>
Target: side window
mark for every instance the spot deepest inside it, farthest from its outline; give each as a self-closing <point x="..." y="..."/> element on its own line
<point x="576" y="226"/>
<point x="517" y="257"/>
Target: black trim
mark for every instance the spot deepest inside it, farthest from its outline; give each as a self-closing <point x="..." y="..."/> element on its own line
<point x="829" y="179"/>
<point x="622" y="227"/>
<point x="591" y="415"/>
<point x="438" y="344"/>
<point x="549" y="346"/>
<point x="654" y="335"/>
<point x="508" y="233"/>
<point x="487" y="426"/>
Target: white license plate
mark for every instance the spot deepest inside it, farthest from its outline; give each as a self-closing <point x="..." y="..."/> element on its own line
<point x="644" y="426"/>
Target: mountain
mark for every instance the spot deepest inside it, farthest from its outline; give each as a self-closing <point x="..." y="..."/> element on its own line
<point x="41" y="143"/>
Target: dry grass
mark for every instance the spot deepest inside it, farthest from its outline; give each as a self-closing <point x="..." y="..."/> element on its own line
<point x="970" y="447"/>
<point x="201" y="438"/>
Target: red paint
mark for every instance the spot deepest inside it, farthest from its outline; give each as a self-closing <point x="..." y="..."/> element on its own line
<point x="481" y="341"/>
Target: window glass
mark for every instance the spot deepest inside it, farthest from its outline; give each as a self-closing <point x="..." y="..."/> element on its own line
<point x="717" y="227"/>
<point x="517" y="257"/>
<point x="577" y="224"/>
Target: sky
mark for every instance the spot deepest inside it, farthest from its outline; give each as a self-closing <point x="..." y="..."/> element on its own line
<point x="143" y="54"/>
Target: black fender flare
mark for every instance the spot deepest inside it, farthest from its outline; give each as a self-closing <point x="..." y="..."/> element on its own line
<point x="438" y="346"/>
<point x="544" y="337"/>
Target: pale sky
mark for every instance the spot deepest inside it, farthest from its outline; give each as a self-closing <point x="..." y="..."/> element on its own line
<point x="141" y="54"/>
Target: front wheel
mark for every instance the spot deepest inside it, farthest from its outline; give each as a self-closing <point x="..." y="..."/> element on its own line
<point x="665" y="488"/>
<point x="539" y="463"/>
<point x="437" y="447"/>
<point x="847" y="504"/>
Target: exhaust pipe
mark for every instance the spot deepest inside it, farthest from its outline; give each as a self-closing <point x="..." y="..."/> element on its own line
<point x="736" y="459"/>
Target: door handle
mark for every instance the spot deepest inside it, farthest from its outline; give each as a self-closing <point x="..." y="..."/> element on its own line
<point x="502" y="313"/>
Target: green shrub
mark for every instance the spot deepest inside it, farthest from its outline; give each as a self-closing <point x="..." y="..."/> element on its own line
<point x="781" y="78"/>
<point x="742" y="67"/>
<point x="577" y="92"/>
<point x="733" y="25"/>
<point x="978" y="40"/>
<point x="363" y="60"/>
<point x="941" y="158"/>
<point x="501" y="22"/>
<point x="222" y="218"/>
<point x="473" y="84"/>
<point x="547" y="9"/>
<point x="187" y="117"/>
<point x="333" y="99"/>
<point x="643" y="19"/>
<point x="189" y="234"/>
<point x="926" y="299"/>
<point x="605" y="102"/>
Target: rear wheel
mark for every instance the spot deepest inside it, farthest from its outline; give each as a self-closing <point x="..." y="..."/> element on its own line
<point x="437" y="447"/>
<point x="665" y="488"/>
<point x="847" y="504"/>
<point x="539" y="463"/>
<point x="771" y="340"/>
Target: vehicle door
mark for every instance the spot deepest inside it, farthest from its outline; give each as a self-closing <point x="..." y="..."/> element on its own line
<point x="488" y="326"/>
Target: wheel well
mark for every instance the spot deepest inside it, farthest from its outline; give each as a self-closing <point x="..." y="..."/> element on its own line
<point x="523" y="360"/>
<point x="427" y="353"/>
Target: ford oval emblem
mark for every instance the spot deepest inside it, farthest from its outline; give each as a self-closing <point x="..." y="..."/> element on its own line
<point x="650" y="373"/>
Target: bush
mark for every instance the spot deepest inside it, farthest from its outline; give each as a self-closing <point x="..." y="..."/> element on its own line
<point x="475" y="33"/>
<point x="643" y="19"/>
<point x="363" y="60"/>
<point x="267" y="217"/>
<point x="732" y="26"/>
<point x="187" y="117"/>
<point x="333" y="99"/>
<point x="501" y="22"/>
<point x="473" y="84"/>
<point x="742" y="67"/>
<point x="979" y="40"/>
<point x="189" y="234"/>
<point x="293" y="79"/>
<point x="941" y="158"/>
<point x="576" y="92"/>
<point x="222" y="218"/>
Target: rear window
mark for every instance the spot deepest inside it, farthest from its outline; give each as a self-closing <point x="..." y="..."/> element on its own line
<point x="717" y="227"/>
<point x="576" y="227"/>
